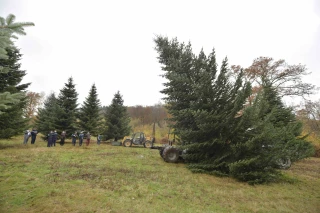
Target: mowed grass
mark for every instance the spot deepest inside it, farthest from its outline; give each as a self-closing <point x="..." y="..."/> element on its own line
<point x="105" y="178"/>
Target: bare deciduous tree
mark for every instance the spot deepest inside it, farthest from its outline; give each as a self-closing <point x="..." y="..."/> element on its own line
<point x="34" y="100"/>
<point x="287" y="79"/>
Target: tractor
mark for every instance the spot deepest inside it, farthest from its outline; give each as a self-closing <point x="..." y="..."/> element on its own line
<point x="138" y="138"/>
<point x="170" y="153"/>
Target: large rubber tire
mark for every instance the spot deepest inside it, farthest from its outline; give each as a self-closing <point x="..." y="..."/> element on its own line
<point x="284" y="163"/>
<point x="147" y="144"/>
<point x="170" y="154"/>
<point x="127" y="143"/>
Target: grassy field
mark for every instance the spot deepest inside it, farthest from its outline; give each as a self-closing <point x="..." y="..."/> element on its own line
<point x="34" y="178"/>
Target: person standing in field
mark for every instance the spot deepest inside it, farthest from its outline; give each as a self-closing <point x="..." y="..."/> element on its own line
<point x="88" y="138"/>
<point x="62" y="138"/>
<point x="74" y="138"/>
<point x="54" y="138"/>
<point x="50" y="139"/>
<point x="98" y="139"/>
<point x="34" y="133"/>
<point x="81" y="135"/>
<point x="26" y="136"/>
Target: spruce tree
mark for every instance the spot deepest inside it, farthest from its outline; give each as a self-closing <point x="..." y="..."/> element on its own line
<point x="178" y="61"/>
<point x="89" y="114"/>
<point x="117" y="119"/>
<point x="67" y="101"/>
<point x="8" y="31"/>
<point x="12" y="121"/>
<point x="47" y="116"/>
<point x="204" y="105"/>
<point x="272" y="136"/>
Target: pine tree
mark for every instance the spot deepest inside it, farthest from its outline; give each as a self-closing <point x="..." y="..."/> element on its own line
<point x="271" y="137"/>
<point x="204" y="106"/>
<point x="117" y="119"/>
<point x="47" y="117"/>
<point x="220" y="135"/>
<point x="12" y="121"/>
<point x="178" y="61"/>
<point x="89" y="114"/>
<point x="67" y="101"/>
<point x="8" y="29"/>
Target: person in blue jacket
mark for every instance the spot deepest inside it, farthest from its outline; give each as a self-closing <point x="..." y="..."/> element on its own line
<point x="54" y="138"/>
<point x="74" y="138"/>
<point x="81" y="135"/>
<point x="50" y="139"/>
<point x="34" y="133"/>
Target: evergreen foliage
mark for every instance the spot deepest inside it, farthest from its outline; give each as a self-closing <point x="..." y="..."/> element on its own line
<point x="117" y="119"/>
<point x="8" y="29"/>
<point x="48" y="117"/>
<point x="67" y="101"/>
<point x="271" y="136"/>
<point x="203" y="103"/>
<point x="89" y="115"/>
<point x="12" y="96"/>
<point x="220" y="135"/>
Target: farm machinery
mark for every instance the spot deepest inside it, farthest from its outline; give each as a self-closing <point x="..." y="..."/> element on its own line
<point x="138" y="138"/>
<point x="170" y="153"/>
<point x="173" y="154"/>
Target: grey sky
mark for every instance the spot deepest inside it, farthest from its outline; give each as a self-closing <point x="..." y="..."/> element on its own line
<point x="110" y="43"/>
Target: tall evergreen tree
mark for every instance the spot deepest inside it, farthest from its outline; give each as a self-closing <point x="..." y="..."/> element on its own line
<point x="220" y="135"/>
<point x="117" y="119"/>
<point x="203" y="103"/>
<point x="178" y="64"/>
<point x="47" y="117"/>
<point x="89" y="114"/>
<point x="67" y="100"/>
<point x="12" y="121"/>
<point x="8" y="31"/>
<point x="271" y="139"/>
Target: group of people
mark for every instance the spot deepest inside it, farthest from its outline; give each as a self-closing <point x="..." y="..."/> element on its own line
<point x="53" y="136"/>
<point x="28" y="134"/>
<point x="81" y="136"/>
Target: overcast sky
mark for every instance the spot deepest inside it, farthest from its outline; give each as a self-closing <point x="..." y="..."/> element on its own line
<point x="110" y="43"/>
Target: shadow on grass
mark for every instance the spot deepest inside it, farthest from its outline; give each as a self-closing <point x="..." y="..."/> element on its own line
<point x="17" y="146"/>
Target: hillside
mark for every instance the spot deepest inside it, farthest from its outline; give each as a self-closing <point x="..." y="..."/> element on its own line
<point x="107" y="178"/>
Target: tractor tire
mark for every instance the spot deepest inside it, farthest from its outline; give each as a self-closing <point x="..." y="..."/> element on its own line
<point x="161" y="152"/>
<point x="127" y="143"/>
<point x="170" y="154"/>
<point x="147" y="144"/>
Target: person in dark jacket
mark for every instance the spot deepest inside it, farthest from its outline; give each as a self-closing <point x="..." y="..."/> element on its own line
<point x="50" y="139"/>
<point x="62" y="138"/>
<point x="34" y="133"/>
<point x="74" y="138"/>
<point x="81" y="135"/>
<point x="26" y="136"/>
<point x="54" y="138"/>
<point x="88" y="138"/>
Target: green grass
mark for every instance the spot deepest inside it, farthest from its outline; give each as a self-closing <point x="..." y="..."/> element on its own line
<point x="34" y="178"/>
